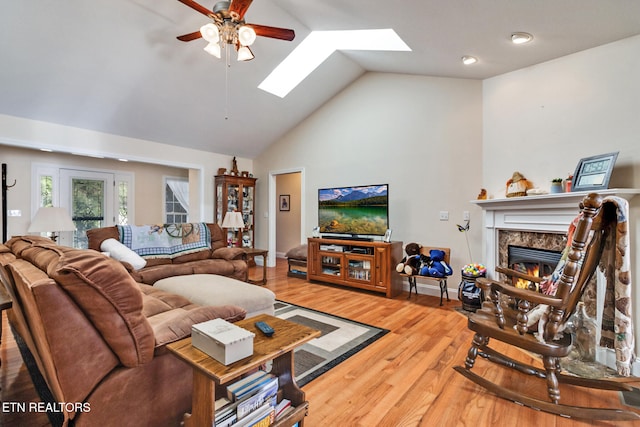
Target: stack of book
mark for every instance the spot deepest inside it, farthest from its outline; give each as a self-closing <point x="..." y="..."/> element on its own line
<point x="250" y="402"/>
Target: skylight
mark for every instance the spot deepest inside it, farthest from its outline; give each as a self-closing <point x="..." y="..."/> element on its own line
<point x="317" y="47"/>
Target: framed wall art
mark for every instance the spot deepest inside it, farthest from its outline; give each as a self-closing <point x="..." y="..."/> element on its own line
<point x="285" y="202"/>
<point x="593" y="173"/>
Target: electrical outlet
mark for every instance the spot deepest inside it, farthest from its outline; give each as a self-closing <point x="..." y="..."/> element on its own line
<point x="465" y="216"/>
<point x="444" y="215"/>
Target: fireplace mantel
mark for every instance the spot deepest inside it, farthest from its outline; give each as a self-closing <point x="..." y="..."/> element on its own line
<point x="548" y="213"/>
<point x="557" y="200"/>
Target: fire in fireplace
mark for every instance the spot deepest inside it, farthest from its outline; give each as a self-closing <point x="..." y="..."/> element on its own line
<point x="533" y="262"/>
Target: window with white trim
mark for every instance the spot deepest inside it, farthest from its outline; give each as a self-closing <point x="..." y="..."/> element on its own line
<point x="176" y="200"/>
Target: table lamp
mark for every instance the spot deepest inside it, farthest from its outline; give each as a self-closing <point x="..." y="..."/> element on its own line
<point x="233" y="220"/>
<point x="51" y="220"/>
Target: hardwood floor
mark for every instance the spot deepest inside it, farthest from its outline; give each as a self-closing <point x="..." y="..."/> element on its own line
<point x="403" y="379"/>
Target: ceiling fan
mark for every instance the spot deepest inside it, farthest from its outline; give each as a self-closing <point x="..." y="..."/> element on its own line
<point x="229" y="28"/>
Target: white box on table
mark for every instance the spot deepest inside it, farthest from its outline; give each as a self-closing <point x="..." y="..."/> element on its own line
<point x="224" y="341"/>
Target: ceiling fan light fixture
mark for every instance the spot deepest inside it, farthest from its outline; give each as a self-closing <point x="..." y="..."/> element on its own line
<point x="245" y="54"/>
<point x="521" y="38"/>
<point x="210" y="33"/>
<point x="246" y="35"/>
<point x="213" y="49"/>
<point x="469" y="60"/>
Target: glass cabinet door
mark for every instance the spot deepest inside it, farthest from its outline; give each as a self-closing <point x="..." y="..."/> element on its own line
<point x="247" y="216"/>
<point x="219" y="206"/>
<point x="359" y="269"/>
<point x="331" y="265"/>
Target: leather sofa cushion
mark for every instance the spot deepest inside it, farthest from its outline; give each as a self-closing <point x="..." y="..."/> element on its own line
<point x="150" y="275"/>
<point x="110" y="297"/>
<point x="171" y="316"/>
<point x="97" y="235"/>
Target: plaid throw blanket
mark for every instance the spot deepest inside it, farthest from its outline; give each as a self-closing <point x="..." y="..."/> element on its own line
<point x="165" y="241"/>
<point x="617" y="322"/>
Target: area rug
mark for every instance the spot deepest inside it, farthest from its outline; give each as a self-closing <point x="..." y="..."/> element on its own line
<point x="340" y="339"/>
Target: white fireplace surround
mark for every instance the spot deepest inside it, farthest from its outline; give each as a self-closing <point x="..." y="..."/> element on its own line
<point x="549" y="213"/>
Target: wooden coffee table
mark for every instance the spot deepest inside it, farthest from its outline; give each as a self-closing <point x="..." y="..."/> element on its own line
<point x="209" y="374"/>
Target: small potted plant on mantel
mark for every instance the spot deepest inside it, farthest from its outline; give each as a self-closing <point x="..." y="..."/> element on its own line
<point x="556" y="186"/>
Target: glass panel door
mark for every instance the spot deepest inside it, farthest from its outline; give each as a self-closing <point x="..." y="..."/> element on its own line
<point x="247" y="217"/>
<point x="89" y="198"/>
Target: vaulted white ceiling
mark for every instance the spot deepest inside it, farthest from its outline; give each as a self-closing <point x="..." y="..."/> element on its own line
<point x="117" y="67"/>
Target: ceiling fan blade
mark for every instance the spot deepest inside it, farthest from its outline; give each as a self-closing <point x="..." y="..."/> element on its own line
<point x="190" y="36"/>
<point x="240" y="7"/>
<point x="273" y="32"/>
<point x="198" y="7"/>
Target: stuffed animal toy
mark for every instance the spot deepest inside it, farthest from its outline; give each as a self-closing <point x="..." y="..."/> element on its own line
<point x="410" y="264"/>
<point x="436" y="267"/>
<point x="518" y="185"/>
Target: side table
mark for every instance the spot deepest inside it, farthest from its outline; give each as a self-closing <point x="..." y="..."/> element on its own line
<point x="209" y="373"/>
<point x="252" y="253"/>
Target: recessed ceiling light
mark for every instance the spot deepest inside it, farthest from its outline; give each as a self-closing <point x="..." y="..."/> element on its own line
<point x="47" y="150"/>
<point x="468" y="60"/>
<point x="521" y="38"/>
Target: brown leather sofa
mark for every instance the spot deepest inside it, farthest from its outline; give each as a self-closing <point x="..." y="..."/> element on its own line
<point x="98" y="338"/>
<point x="219" y="260"/>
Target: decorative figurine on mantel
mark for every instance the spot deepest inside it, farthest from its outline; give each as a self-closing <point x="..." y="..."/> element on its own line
<point x="234" y="167"/>
<point x="518" y="185"/>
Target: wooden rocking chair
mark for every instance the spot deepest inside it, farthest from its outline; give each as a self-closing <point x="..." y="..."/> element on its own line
<point x="509" y="324"/>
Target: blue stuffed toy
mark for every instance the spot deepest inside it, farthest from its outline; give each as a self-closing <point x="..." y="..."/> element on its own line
<point x="436" y="267"/>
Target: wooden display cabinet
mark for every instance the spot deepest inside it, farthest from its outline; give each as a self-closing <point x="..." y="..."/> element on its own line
<point x="354" y="263"/>
<point x="236" y="193"/>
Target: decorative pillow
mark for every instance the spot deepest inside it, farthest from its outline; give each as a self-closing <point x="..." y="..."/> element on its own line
<point x="120" y="252"/>
<point x="105" y="291"/>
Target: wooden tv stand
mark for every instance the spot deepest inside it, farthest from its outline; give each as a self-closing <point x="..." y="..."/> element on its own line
<point x="355" y="263"/>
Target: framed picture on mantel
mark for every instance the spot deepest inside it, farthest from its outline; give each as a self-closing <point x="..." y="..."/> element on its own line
<point x="593" y="173"/>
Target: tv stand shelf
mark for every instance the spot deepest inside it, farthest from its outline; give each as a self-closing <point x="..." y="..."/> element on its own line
<point x="355" y="263"/>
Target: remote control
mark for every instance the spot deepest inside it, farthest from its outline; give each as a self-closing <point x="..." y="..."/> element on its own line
<point x="265" y="328"/>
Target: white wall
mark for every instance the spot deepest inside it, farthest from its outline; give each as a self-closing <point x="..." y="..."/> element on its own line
<point x="542" y="120"/>
<point x="421" y="135"/>
<point x="201" y="165"/>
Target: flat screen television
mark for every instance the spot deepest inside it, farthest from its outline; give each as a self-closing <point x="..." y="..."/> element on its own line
<point x="362" y="210"/>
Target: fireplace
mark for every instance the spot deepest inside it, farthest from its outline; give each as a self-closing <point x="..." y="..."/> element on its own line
<point x="533" y="262"/>
<point x="539" y="222"/>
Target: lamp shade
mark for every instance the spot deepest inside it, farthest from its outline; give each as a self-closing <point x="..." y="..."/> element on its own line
<point x="51" y="220"/>
<point x="233" y="220"/>
<point x="245" y="54"/>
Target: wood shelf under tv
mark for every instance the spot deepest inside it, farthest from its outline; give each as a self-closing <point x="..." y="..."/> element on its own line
<point x="355" y="263"/>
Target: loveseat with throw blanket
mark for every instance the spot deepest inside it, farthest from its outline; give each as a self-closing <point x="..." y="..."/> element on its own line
<point x="200" y="249"/>
<point x="98" y="337"/>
